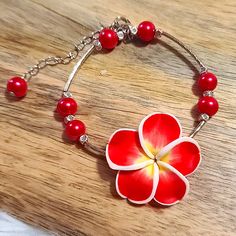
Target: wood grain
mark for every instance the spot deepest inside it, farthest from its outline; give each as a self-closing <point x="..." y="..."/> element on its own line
<point x="48" y="182"/>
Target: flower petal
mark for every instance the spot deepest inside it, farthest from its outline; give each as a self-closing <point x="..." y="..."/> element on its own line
<point x="124" y="152"/>
<point x="157" y="130"/>
<point x="138" y="186"/>
<point x="172" y="186"/>
<point x="183" y="154"/>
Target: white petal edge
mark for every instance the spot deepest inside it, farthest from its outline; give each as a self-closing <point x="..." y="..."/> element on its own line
<point x="130" y="167"/>
<point x="140" y="131"/>
<point x="169" y="167"/>
<point x="154" y="188"/>
<point x="171" y="145"/>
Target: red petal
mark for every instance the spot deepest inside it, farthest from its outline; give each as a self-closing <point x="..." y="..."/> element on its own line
<point x="172" y="186"/>
<point x="124" y="151"/>
<point x="156" y="131"/>
<point x="138" y="186"/>
<point x="183" y="154"/>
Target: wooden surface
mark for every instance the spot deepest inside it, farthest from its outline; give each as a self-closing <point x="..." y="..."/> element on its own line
<point x="48" y="182"/>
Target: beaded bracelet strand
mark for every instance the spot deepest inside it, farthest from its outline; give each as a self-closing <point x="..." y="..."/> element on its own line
<point x="154" y="160"/>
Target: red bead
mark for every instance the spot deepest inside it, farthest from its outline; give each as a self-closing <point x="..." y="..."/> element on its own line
<point x="18" y="86"/>
<point x="74" y="129"/>
<point x="208" y="105"/>
<point x="207" y="81"/>
<point x="66" y="106"/>
<point x="108" y="38"/>
<point x="146" y="31"/>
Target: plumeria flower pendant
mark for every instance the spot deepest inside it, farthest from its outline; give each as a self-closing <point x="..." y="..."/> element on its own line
<point x="154" y="161"/>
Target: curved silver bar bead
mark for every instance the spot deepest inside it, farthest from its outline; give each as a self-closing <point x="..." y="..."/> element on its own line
<point x="77" y="67"/>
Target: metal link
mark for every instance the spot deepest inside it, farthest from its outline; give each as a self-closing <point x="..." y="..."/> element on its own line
<point x="41" y="64"/>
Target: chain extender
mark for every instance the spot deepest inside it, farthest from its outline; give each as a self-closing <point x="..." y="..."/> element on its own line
<point x="55" y="60"/>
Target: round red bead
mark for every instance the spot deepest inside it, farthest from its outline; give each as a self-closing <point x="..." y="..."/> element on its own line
<point x="207" y="81"/>
<point x="18" y="86"/>
<point x="108" y="38"/>
<point x="208" y="105"/>
<point x="146" y="31"/>
<point x="66" y="106"/>
<point x="75" y="129"/>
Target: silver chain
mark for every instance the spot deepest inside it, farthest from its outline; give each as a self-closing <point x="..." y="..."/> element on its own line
<point x="55" y="60"/>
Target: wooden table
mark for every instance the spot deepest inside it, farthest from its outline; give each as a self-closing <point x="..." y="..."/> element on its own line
<point x="49" y="182"/>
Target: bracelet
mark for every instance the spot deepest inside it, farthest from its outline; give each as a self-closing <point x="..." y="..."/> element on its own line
<point x="154" y="160"/>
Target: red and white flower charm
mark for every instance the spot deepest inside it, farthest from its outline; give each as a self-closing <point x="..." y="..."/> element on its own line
<point x="154" y="161"/>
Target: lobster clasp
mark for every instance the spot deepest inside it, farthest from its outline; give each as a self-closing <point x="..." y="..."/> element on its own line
<point x="119" y="21"/>
<point x="125" y="30"/>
